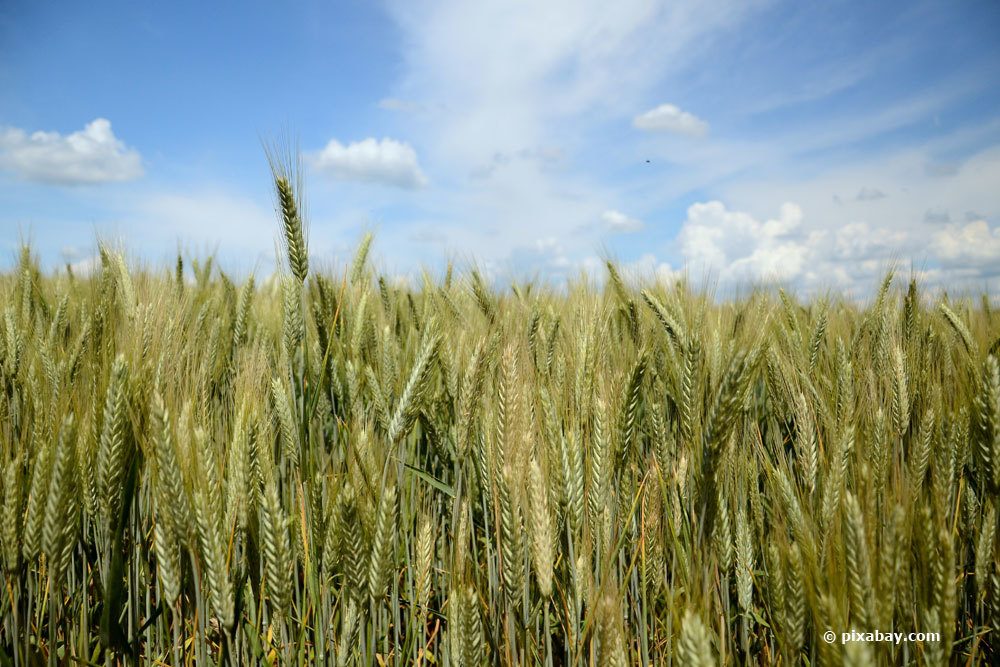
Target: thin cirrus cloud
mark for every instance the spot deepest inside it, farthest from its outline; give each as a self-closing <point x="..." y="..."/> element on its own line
<point x="88" y="156"/>
<point x="382" y="161"/>
<point x="670" y="118"/>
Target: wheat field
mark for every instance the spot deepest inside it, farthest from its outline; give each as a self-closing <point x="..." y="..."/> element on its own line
<point x="330" y="468"/>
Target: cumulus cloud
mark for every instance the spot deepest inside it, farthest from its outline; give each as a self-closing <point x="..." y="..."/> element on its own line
<point x="740" y="247"/>
<point x="808" y="254"/>
<point x="669" y="118"/>
<point x="973" y="243"/>
<point x="91" y="155"/>
<point x="385" y="161"/>
<point x="618" y="222"/>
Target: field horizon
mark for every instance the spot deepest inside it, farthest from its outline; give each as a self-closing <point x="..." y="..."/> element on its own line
<point x="701" y="284"/>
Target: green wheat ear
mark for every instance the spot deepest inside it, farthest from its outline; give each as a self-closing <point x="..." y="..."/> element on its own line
<point x="360" y="258"/>
<point x="294" y="237"/>
<point x="540" y="529"/>
<point x="286" y="168"/>
<point x="695" y="646"/>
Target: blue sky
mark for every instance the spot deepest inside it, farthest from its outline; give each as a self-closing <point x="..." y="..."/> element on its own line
<point x="805" y="143"/>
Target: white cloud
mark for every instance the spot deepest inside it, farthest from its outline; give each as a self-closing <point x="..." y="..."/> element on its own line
<point x="618" y="222"/>
<point x="669" y="118"/>
<point x="739" y="247"/>
<point x="384" y="161"/>
<point x="971" y="244"/>
<point x="90" y="155"/>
